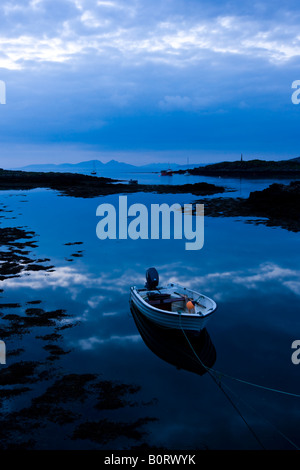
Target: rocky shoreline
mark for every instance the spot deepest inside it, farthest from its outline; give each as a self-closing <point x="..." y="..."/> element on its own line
<point x="38" y="395"/>
<point x="85" y="186"/>
<point x="276" y="206"/>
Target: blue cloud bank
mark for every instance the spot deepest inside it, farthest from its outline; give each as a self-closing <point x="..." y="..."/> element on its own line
<point x="200" y="78"/>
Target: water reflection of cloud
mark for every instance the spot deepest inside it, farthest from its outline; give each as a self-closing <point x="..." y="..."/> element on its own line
<point x="265" y="274"/>
<point x="94" y="301"/>
<point x="69" y="277"/>
<point x="94" y="341"/>
<point x="294" y="286"/>
<point x="63" y="276"/>
<point x="118" y="282"/>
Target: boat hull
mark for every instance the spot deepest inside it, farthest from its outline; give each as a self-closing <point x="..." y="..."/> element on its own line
<point x="173" y="347"/>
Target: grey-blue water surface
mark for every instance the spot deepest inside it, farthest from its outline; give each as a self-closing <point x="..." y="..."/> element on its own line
<point x="251" y="271"/>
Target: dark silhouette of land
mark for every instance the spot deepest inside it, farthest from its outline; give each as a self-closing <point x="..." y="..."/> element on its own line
<point x="78" y="185"/>
<point x="278" y="205"/>
<point x="249" y="169"/>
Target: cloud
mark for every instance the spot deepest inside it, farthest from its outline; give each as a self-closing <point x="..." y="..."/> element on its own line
<point x="72" y="64"/>
<point x="58" y="31"/>
<point x="40" y="31"/>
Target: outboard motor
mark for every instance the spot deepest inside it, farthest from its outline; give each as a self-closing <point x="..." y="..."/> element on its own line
<point x="152" y="279"/>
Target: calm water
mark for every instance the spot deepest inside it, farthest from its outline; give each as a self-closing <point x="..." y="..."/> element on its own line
<point x="251" y="271"/>
<point x="241" y="187"/>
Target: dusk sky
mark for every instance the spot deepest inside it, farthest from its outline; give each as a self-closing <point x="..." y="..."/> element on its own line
<point x="142" y="81"/>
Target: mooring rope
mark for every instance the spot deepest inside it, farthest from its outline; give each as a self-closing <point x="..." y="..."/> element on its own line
<point x="211" y="374"/>
<point x="214" y="374"/>
<point x="264" y="418"/>
<point x="223" y="374"/>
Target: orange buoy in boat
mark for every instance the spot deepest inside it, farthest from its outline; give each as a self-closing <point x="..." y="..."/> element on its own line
<point x="190" y="305"/>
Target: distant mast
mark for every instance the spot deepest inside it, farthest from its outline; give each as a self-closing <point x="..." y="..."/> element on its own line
<point x="94" y="172"/>
<point x="168" y="172"/>
<point x="241" y="157"/>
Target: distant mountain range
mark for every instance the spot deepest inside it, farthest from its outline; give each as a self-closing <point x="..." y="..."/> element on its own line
<point x="121" y="167"/>
<point x="112" y="165"/>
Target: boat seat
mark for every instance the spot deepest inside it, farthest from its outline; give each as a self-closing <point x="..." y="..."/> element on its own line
<point x="157" y="296"/>
<point x="165" y="303"/>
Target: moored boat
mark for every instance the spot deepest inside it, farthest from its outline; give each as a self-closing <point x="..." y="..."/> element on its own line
<point x="94" y="171"/>
<point x="172" y="306"/>
<point x="168" y="172"/>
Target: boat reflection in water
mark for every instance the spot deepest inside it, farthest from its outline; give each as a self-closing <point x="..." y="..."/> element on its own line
<point x="173" y="347"/>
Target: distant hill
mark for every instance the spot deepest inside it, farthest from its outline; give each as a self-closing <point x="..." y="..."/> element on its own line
<point x="111" y="166"/>
<point x="86" y="165"/>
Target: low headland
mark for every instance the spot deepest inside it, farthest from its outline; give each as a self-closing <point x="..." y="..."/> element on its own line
<point x="86" y="186"/>
<point x="249" y="169"/>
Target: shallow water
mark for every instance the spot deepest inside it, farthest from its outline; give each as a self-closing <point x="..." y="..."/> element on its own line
<point x="251" y="271"/>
